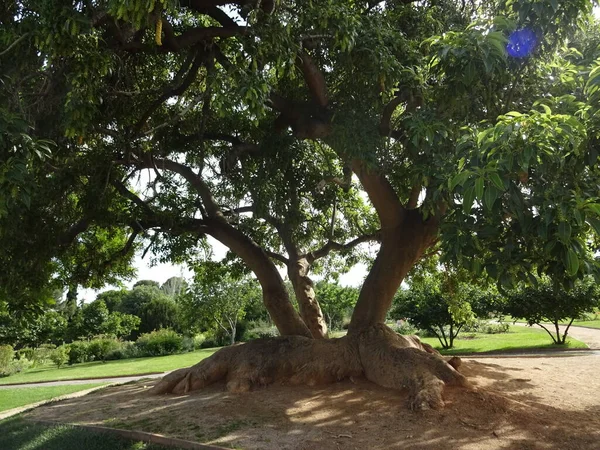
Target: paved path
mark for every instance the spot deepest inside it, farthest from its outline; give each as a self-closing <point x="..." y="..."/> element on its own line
<point x="87" y="381"/>
<point x="589" y="336"/>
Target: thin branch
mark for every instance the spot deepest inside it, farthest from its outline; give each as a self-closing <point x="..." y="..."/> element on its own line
<point x="15" y="43"/>
<point x="179" y="89"/>
<point x="277" y="256"/>
<point x="187" y="39"/>
<point x="122" y="189"/>
<point x="335" y="246"/>
<point x="188" y="174"/>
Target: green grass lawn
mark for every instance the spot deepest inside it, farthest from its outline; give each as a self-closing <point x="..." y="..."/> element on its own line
<point x="518" y="338"/>
<point x="110" y="368"/>
<point x="576" y="323"/>
<point x="13" y="398"/>
<point x="586" y="323"/>
<point x="19" y="434"/>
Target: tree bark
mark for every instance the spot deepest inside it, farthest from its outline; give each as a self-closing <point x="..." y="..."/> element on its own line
<point x="309" y="307"/>
<point x="401" y="246"/>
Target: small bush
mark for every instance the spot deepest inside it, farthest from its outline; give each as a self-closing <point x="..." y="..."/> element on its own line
<point x="101" y="347"/>
<point x="191" y="343"/>
<point x="60" y="355"/>
<point x="263" y="332"/>
<point x="209" y="343"/>
<point x="79" y="352"/>
<point x="483" y="326"/>
<point x="25" y="352"/>
<point x="160" y="342"/>
<point x="42" y="354"/>
<point x="496" y="328"/>
<point x="19" y="365"/>
<point x="403" y="327"/>
<point x="7" y="355"/>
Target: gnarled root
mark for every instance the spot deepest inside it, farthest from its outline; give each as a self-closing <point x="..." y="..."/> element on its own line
<point x="293" y="359"/>
<point x="398" y="362"/>
<point x="378" y="353"/>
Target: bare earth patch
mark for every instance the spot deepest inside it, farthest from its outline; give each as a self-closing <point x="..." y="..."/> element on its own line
<point x="518" y="403"/>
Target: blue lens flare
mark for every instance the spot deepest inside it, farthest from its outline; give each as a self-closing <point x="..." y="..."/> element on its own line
<point x="521" y="43"/>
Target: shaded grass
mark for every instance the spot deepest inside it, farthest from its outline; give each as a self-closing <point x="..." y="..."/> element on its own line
<point x="13" y="398"/>
<point x="19" y="434"/>
<point x="518" y="338"/>
<point x="120" y="367"/>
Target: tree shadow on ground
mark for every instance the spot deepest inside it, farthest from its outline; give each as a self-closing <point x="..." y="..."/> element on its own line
<point x="346" y="415"/>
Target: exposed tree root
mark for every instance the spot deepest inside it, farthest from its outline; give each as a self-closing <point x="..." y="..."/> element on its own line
<point x="378" y="353"/>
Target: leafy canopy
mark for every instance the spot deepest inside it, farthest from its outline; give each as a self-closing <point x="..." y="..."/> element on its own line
<point x="159" y="122"/>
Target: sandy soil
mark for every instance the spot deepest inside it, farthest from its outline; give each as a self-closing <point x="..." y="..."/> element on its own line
<point x="518" y="403"/>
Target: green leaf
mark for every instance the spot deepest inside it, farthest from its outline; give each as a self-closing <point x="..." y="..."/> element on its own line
<point x="595" y="223"/>
<point x="564" y="231"/>
<point x="492" y="270"/>
<point x="594" y="207"/>
<point x="459" y="178"/>
<point x="479" y="188"/>
<point x="489" y="197"/>
<point x="468" y="199"/>
<point x="495" y="178"/>
<point x="572" y="263"/>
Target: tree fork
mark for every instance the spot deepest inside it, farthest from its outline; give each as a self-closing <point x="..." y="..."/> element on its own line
<point x="309" y="307"/>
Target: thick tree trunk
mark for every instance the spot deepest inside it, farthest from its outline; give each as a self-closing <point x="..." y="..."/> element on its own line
<point x="275" y="296"/>
<point x="309" y="307"/>
<point x="401" y="247"/>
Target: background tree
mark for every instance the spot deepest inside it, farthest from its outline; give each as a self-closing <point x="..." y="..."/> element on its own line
<point x="426" y="306"/>
<point x="174" y="286"/>
<point x="336" y="302"/>
<point x="216" y="301"/>
<point x="546" y="303"/>
<point x="95" y="319"/>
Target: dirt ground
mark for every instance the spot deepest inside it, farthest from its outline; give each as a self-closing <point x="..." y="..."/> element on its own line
<point x="518" y="403"/>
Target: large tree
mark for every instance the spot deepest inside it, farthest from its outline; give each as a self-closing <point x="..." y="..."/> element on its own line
<point x="247" y="121"/>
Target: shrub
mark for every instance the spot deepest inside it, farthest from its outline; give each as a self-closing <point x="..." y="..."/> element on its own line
<point x="160" y="342"/>
<point x="101" y="347"/>
<point x="209" y="343"/>
<point x="60" y="355"/>
<point x="125" y="350"/>
<point x="42" y="354"/>
<point x="25" y="352"/>
<point x="483" y="326"/>
<point x="7" y="355"/>
<point x="403" y="327"/>
<point x="191" y="343"/>
<point x="19" y="365"/>
<point x="79" y="352"/>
